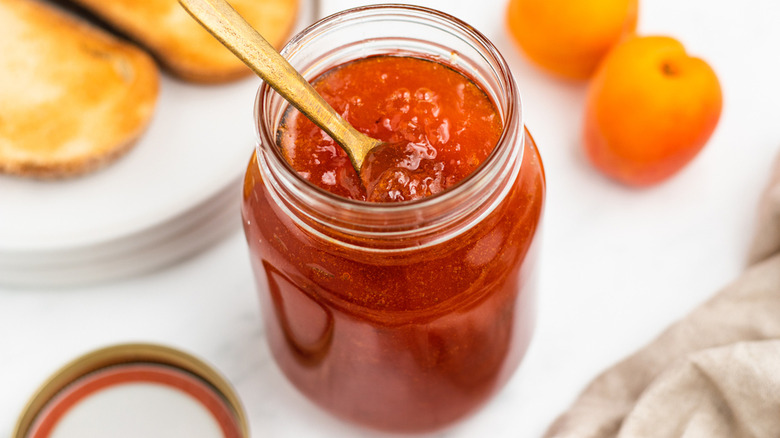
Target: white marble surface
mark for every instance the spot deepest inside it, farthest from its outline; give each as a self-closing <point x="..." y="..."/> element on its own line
<point x="618" y="264"/>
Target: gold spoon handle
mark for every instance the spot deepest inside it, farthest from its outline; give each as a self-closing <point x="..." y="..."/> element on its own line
<point x="219" y="18"/>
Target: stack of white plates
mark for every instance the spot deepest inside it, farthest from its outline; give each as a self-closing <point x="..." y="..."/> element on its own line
<point x="176" y="192"/>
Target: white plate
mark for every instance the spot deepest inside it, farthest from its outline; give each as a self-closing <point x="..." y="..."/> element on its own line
<point x="176" y="191"/>
<point x="226" y="202"/>
<point x="200" y="140"/>
<point x="155" y="247"/>
<point x="227" y="199"/>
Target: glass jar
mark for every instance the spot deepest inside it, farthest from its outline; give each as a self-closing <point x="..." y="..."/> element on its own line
<point x="400" y="316"/>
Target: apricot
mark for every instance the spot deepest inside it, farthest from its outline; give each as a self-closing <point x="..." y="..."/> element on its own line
<point x="570" y="37"/>
<point x="649" y="110"/>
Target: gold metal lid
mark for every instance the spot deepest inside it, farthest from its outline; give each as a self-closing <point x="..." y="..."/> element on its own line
<point x="125" y="355"/>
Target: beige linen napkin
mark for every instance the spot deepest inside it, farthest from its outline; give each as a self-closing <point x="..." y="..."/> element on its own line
<point x="715" y="374"/>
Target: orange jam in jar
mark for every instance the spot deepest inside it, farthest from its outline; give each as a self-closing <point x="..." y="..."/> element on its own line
<point x="405" y="305"/>
<point x="438" y="126"/>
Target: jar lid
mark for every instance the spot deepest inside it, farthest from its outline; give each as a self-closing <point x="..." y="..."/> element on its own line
<point x="133" y="390"/>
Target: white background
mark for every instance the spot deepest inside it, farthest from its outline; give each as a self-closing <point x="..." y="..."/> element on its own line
<point x="618" y="264"/>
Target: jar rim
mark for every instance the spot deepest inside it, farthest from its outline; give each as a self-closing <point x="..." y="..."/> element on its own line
<point x="511" y="111"/>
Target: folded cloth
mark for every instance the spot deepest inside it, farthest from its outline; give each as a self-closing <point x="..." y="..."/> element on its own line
<point x="714" y="374"/>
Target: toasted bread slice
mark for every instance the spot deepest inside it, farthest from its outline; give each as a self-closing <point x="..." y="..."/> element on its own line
<point x="72" y="97"/>
<point x="181" y="44"/>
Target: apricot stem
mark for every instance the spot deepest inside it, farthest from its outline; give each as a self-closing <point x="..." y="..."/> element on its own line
<point x="668" y="69"/>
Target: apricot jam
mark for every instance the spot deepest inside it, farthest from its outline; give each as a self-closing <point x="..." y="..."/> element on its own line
<point x="438" y="125"/>
<point x="408" y="313"/>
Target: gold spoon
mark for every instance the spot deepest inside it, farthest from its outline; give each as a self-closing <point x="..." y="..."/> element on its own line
<point x="219" y="18"/>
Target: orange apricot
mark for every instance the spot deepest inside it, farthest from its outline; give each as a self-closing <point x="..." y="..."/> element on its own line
<point x="570" y="37"/>
<point x="649" y="110"/>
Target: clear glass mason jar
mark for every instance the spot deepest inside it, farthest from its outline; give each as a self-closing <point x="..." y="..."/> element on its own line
<point x="400" y="316"/>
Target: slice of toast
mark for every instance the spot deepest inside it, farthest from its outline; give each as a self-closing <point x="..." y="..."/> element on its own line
<point x="72" y="97"/>
<point x="181" y="44"/>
